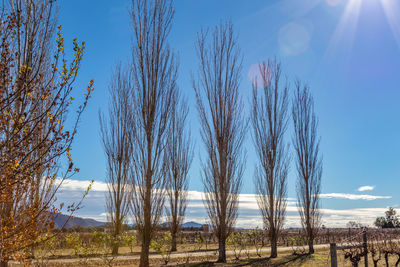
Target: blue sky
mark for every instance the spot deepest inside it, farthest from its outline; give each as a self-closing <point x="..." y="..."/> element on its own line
<point x="347" y="51"/>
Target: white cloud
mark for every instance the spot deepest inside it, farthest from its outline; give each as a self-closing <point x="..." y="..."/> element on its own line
<point x="353" y="196"/>
<point x="78" y="185"/>
<point x="249" y="215"/>
<point x="366" y="188"/>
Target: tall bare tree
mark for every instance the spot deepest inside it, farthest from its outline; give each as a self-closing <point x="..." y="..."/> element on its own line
<point x="223" y="128"/>
<point x="308" y="162"/>
<point x="178" y="157"/>
<point x="116" y="133"/>
<point x="154" y="71"/>
<point x="269" y="120"/>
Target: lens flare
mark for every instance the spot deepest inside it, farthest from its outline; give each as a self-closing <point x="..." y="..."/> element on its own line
<point x="254" y="74"/>
<point x="333" y="2"/>
<point x="294" y="39"/>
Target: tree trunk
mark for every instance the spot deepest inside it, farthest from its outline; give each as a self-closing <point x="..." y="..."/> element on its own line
<point x="146" y="235"/>
<point x="310" y="245"/>
<point x="274" y="249"/>
<point x="115" y="248"/>
<point x="174" y="227"/>
<point x="144" y="254"/>
<point x="274" y="244"/>
<point x="116" y="234"/>
<point x="173" y="241"/>
<point x="222" y="250"/>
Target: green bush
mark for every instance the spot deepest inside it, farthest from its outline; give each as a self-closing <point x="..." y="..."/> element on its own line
<point x="46" y="247"/>
<point x="129" y="240"/>
<point x="163" y="246"/>
<point x="238" y="242"/>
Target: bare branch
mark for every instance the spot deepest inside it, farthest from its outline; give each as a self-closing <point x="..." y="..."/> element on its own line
<point x="308" y="161"/>
<point x="269" y="121"/>
<point x="154" y="71"/>
<point x="223" y="128"/>
<point x="177" y="160"/>
<point x="116" y="133"/>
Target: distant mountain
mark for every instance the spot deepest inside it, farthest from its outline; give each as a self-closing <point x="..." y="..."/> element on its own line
<point x="191" y="225"/>
<point x="60" y="220"/>
<point x="185" y="225"/>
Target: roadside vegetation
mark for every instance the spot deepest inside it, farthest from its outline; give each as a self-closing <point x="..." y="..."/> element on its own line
<point x="149" y="151"/>
<point x="93" y="246"/>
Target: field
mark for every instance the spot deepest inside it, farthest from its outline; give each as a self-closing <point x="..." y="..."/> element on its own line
<point x="285" y="258"/>
<point x="84" y="249"/>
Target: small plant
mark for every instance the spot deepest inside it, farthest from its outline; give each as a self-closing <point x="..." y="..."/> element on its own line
<point x="129" y="240"/>
<point x="246" y="243"/>
<point x="199" y="242"/>
<point x="187" y="251"/>
<point x="86" y="250"/>
<point x="298" y="242"/>
<point x="256" y="238"/>
<point x="103" y="243"/>
<point x="73" y="241"/>
<point x="163" y="246"/>
<point x="354" y="255"/>
<point x="46" y="246"/>
<point x="82" y="249"/>
<point x="376" y="252"/>
<point x="235" y="240"/>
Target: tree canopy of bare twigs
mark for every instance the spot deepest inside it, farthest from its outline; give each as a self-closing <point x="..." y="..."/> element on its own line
<point x="154" y="71"/>
<point x="35" y="97"/>
<point x="223" y="128"/>
<point x="116" y="133"/>
<point x="308" y="162"/>
<point x="269" y="120"/>
<point x="177" y="160"/>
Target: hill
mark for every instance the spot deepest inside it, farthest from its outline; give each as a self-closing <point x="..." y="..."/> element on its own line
<point x="61" y="220"/>
<point x="191" y="225"/>
<point x="184" y="226"/>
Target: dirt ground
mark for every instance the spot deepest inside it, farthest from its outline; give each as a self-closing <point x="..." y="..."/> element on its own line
<point x="285" y="258"/>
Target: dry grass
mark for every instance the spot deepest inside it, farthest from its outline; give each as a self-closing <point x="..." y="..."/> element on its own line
<point x="320" y="259"/>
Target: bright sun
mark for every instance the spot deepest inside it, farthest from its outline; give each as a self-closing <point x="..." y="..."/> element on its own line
<point x="348" y="22"/>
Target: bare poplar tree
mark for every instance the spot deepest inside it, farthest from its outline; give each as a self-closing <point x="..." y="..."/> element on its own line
<point x="269" y="121"/>
<point x="308" y="162"/>
<point x="223" y="128"/>
<point x="178" y="157"/>
<point x="116" y="133"/>
<point x="154" y="73"/>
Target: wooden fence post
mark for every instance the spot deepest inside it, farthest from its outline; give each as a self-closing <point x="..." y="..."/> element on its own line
<point x="333" y="255"/>
<point x="365" y="245"/>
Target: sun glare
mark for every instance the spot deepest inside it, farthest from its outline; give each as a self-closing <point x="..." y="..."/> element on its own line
<point x="345" y="30"/>
<point x="392" y="9"/>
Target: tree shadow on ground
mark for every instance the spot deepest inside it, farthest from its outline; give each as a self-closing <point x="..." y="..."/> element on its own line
<point x="283" y="261"/>
<point x="201" y="264"/>
<point x="288" y="259"/>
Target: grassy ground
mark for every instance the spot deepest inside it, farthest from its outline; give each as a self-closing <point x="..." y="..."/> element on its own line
<point x="320" y="259"/>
